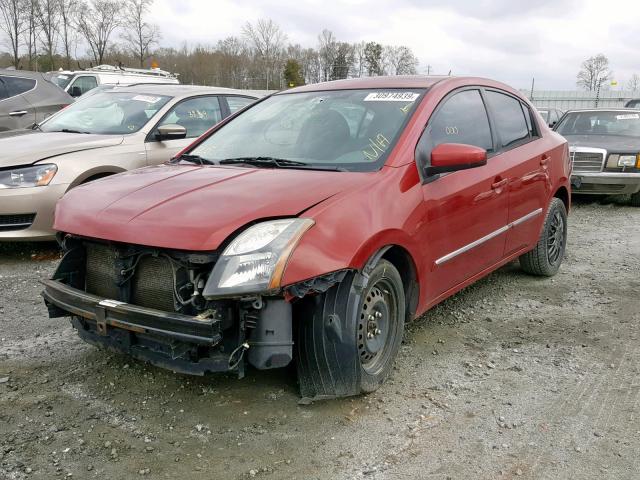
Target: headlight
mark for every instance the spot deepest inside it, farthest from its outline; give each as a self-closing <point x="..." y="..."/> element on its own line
<point x="627" y="161"/>
<point x="35" y="176"/>
<point x="255" y="260"/>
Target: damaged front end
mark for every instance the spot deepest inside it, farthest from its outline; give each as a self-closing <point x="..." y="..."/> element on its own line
<point x="154" y="304"/>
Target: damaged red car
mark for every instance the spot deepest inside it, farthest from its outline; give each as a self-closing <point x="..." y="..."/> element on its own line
<point x="311" y="226"/>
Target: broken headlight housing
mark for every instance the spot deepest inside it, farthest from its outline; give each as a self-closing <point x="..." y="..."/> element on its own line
<point x="254" y="261"/>
<point x="33" y="176"/>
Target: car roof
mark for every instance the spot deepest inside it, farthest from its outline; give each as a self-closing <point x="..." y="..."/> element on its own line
<point x="21" y="73"/>
<point x="396" y="81"/>
<point x="178" y="90"/>
<point x="604" y="109"/>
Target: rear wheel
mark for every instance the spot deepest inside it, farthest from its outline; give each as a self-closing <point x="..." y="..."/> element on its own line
<point x="635" y="199"/>
<point x="349" y="336"/>
<point x="546" y="257"/>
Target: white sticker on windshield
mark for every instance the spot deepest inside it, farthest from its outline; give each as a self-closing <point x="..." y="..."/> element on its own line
<point x="628" y="116"/>
<point x="391" y="97"/>
<point x="146" y="98"/>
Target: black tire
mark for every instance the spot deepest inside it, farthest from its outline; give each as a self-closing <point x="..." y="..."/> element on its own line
<point x="635" y="200"/>
<point x="349" y="336"/>
<point x="545" y="259"/>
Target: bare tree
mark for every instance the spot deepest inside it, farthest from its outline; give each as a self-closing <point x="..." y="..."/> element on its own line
<point x="96" y="22"/>
<point x="48" y="18"/>
<point x="139" y="35"/>
<point x="634" y="82"/>
<point x="327" y="52"/>
<point x="267" y="40"/>
<point x="68" y="10"/>
<point x="31" y="32"/>
<point x="594" y="73"/>
<point x="12" y="23"/>
<point x="399" y="61"/>
<point x="359" y="60"/>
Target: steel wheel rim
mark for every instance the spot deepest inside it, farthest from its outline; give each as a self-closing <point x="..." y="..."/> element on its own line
<point x="556" y="238"/>
<point x="376" y="325"/>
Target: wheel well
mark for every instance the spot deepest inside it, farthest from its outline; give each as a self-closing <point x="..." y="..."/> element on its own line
<point x="563" y="194"/>
<point x="402" y="260"/>
<point x="96" y="177"/>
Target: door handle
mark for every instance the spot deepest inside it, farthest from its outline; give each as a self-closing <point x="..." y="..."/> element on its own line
<point x="545" y="159"/>
<point x="18" y="113"/>
<point x="499" y="184"/>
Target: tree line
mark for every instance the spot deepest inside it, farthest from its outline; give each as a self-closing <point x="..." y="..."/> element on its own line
<point x="45" y="35"/>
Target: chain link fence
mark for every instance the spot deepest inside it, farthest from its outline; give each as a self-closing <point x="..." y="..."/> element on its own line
<point x="567" y="100"/>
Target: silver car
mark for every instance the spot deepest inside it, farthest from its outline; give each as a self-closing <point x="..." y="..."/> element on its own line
<point x="27" y="98"/>
<point x="100" y="135"/>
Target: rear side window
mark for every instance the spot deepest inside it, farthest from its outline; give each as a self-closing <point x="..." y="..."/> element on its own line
<point x="236" y="103"/>
<point x="17" y="85"/>
<point x="461" y="119"/>
<point x="510" y="120"/>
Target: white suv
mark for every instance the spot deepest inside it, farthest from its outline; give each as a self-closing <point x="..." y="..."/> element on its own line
<point x="77" y="83"/>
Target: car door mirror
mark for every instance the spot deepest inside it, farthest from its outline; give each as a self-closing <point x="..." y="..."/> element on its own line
<point x="170" y="132"/>
<point x="451" y="157"/>
<point x="75" y="92"/>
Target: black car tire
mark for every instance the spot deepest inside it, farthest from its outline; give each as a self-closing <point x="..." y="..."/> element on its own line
<point x="349" y="336"/>
<point x="545" y="259"/>
<point x="635" y="200"/>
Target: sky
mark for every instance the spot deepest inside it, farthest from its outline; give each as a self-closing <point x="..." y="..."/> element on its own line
<point x="512" y="41"/>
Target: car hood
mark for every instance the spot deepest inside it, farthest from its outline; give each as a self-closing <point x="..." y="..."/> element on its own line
<point x="188" y="207"/>
<point x="611" y="143"/>
<point x="25" y="149"/>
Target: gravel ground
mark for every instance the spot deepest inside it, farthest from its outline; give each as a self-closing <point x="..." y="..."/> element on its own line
<point x="515" y="377"/>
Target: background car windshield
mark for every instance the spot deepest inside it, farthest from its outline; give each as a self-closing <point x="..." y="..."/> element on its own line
<point x="601" y="123"/>
<point x="351" y="129"/>
<point x="62" y="80"/>
<point x="115" y="113"/>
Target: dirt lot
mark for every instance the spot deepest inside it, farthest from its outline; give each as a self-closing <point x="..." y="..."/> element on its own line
<point x="515" y="377"/>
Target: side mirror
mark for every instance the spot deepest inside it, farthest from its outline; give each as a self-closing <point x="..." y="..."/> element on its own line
<point x="553" y="124"/>
<point x="76" y="92"/>
<point x="451" y="157"/>
<point x="170" y="132"/>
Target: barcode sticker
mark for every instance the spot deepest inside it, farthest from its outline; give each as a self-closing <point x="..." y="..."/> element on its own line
<point x="391" y="97"/>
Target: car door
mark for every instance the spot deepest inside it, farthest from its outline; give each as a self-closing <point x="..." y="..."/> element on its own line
<point x="196" y="114"/>
<point x="523" y="153"/>
<point x="466" y="211"/>
<point x="15" y="110"/>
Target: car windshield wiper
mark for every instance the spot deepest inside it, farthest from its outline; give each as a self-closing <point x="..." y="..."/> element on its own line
<point x="275" y="162"/>
<point x="69" y="130"/>
<point x="193" y="159"/>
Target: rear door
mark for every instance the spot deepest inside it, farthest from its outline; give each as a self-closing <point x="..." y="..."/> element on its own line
<point x="196" y="114"/>
<point x="466" y="211"/>
<point x="15" y="110"/>
<point x="522" y="151"/>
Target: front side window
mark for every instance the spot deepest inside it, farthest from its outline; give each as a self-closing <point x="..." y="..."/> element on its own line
<point x="461" y="119"/>
<point x="17" y="85"/>
<point x="236" y="103"/>
<point x="196" y="115"/>
<point x="83" y="84"/>
<point x="115" y="113"/>
<point x="509" y="117"/>
<point x="345" y="129"/>
<point x="601" y="123"/>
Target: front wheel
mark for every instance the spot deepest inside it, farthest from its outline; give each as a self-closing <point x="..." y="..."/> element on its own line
<point x="349" y="337"/>
<point x="546" y="257"/>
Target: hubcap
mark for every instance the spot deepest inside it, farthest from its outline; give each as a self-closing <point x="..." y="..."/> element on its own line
<point x="375" y="324"/>
<point x="555" y="239"/>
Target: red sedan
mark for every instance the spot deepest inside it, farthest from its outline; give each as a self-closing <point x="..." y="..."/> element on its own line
<point x="311" y="226"/>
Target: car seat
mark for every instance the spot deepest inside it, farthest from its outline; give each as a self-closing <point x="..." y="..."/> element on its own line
<point x="323" y="136"/>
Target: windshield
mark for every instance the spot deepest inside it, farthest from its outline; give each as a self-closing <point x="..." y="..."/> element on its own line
<point x="544" y="114"/>
<point x="61" y="79"/>
<point x="345" y="129"/>
<point x="114" y="113"/>
<point x="601" y="123"/>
